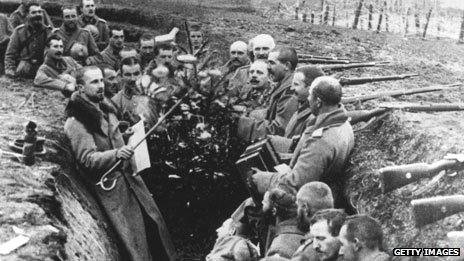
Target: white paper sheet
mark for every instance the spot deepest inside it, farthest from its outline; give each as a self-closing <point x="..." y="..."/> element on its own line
<point x="140" y="160"/>
<point x="13" y="244"/>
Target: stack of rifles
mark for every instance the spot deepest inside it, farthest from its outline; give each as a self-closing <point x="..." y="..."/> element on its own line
<point x="263" y="156"/>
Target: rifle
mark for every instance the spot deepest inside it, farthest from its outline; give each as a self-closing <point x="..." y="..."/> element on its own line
<point x="362" y="80"/>
<point x="334" y="67"/>
<point x="322" y="61"/>
<point x="394" y="177"/>
<point x="411" y="107"/>
<point x="309" y="56"/>
<point x="399" y="93"/>
<point x="429" y="210"/>
<point x="364" y="115"/>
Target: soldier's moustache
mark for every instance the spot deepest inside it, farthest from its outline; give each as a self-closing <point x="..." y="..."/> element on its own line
<point x="261" y="56"/>
<point x="36" y="18"/>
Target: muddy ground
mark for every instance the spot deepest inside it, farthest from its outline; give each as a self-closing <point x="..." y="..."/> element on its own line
<point x="402" y="138"/>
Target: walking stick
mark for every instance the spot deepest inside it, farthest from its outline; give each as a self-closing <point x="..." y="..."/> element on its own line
<point x="105" y="177"/>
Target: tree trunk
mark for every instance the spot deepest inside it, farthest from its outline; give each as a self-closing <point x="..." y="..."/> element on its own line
<point x="334" y="18"/>
<point x="379" y="25"/>
<point x="417" y="22"/>
<point x="357" y="14"/>
<point x="461" y="35"/>
<point x="371" y="15"/>
<point x="326" y="15"/>
<point x="427" y="23"/>
<point x="406" y="21"/>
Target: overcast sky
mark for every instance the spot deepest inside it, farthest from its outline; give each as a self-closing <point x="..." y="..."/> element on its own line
<point x="453" y="3"/>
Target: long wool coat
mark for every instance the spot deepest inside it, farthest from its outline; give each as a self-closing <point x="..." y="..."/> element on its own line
<point x="321" y="155"/>
<point x="95" y="138"/>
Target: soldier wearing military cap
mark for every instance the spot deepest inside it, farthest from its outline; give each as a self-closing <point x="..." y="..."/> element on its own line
<point x="323" y="151"/>
<point x="19" y="16"/>
<point x="71" y="32"/>
<point x="25" y="51"/>
<point x="88" y="19"/>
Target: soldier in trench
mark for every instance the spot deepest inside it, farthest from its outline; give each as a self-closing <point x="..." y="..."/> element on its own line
<point x="97" y="144"/>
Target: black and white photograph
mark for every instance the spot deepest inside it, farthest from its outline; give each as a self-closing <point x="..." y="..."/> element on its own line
<point x="231" y="130"/>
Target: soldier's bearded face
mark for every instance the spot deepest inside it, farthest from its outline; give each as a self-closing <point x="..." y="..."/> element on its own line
<point x="147" y="46"/>
<point x="196" y="37"/>
<point x="301" y="91"/>
<point x="88" y="7"/>
<point x="70" y="19"/>
<point x="314" y="103"/>
<point x="238" y="56"/>
<point x="35" y="15"/>
<point x="258" y="74"/>
<point x="164" y="57"/>
<point x="326" y="245"/>
<point x="347" y="248"/>
<point x="111" y="81"/>
<point x="93" y="85"/>
<point x="276" y="68"/>
<point x="131" y="73"/>
<point x="55" y="50"/>
<point x="117" y="39"/>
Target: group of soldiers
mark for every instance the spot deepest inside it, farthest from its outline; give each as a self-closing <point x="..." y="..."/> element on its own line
<point x="298" y="109"/>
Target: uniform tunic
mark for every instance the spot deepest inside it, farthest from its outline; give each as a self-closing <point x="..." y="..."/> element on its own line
<point x="81" y="36"/>
<point x="27" y="44"/>
<point x="103" y="29"/>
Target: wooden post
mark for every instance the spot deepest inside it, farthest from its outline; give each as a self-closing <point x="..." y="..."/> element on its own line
<point x="406" y="21"/>
<point x="321" y="16"/>
<point x="371" y="15"/>
<point x="334" y="18"/>
<point x="357" y="14"/>
<point x="427" y="23"/>
<point x="417" y="22"/>
<point x="326" y="15"/>
<point x="387" y="18"/>
<point x="379" y="25"/>
<point x="305" y="18"/>
<point x="296" y="13"/>
<point x="461" y="35"/>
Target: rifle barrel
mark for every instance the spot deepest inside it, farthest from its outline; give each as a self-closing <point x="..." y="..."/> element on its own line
<point x="394" y="177"/>
<point x="424" y="108"/>
<point x="362" y="80"/>
<point x="364" y="115"/>
<point x="309" y="56"/>
<point x="399" y="93"/>
<point x="322" y="61"/>
<point x="350" y="66"/>
<point x="429" y="210"/>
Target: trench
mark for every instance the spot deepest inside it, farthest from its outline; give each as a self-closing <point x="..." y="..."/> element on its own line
<point x="86" y="234"/>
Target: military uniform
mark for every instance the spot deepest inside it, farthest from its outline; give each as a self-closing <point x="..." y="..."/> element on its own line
<point x="25" y="51"/>
<point x="282" y="105"/>
<point x="298" y="122"/>
<point x="103" y="29"/>
<point x="321" y="155"/>
<point x="238" y="80"/>
<point x="50" y="74"/>
<point x="253" y="98"/>
<point x="109" y="56"/>
<point x="307" y="252"/>
<point x="19" y="17"/>
<point x="80" y="35"/>
<point x="286" y="240"/>
<point x="95" y="139"/>
<point x="5" y="32"/>
<point x="227" y="71"/>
